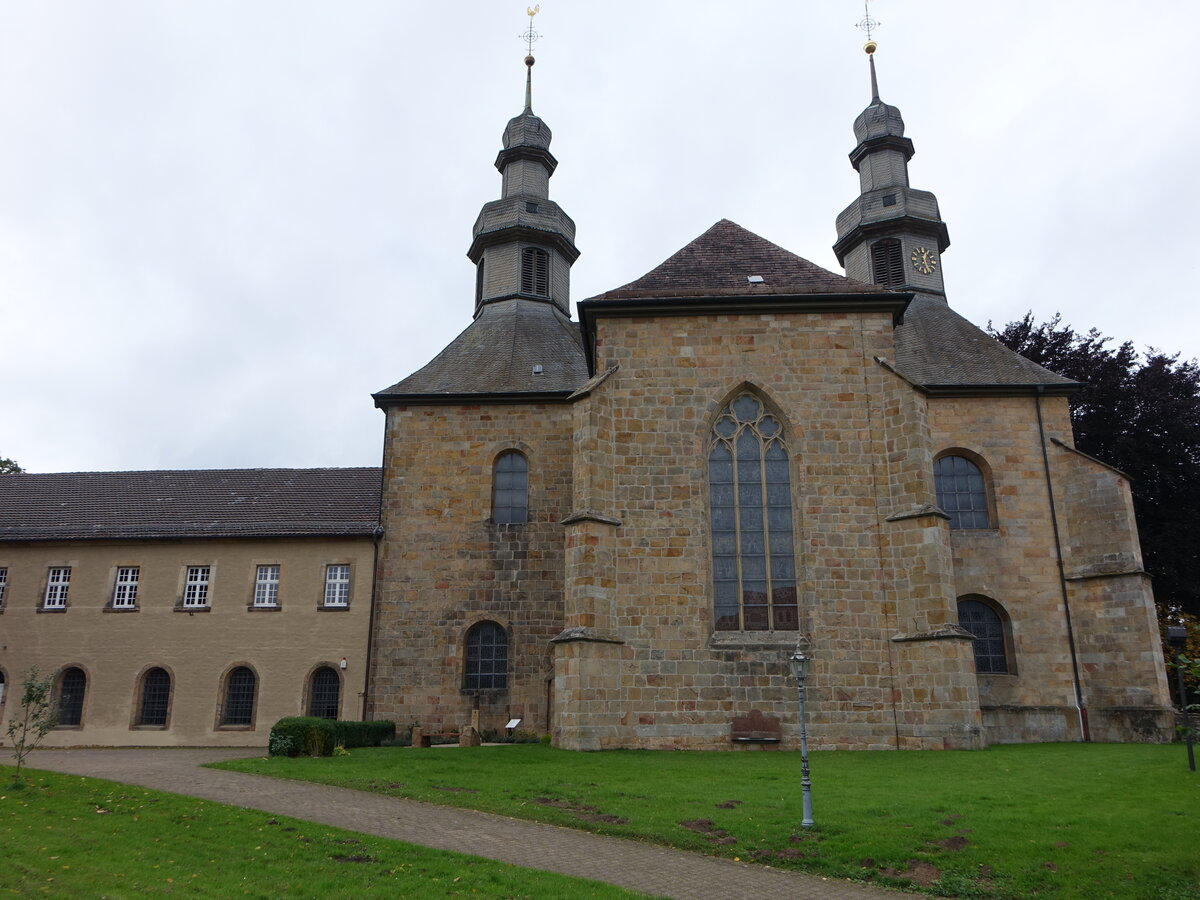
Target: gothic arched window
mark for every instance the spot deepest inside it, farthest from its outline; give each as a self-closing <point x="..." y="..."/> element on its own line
<point x="156" y="697"/>
<point x="750" y="496"/>
<point x="887" y="263"/>
<point x="961" y="492"/>
<point x="487" y="658"/>
<point x="535" y="272"/>
<point x="510" y="489"/>
<point x="988" y="626"/>
<point x="324" y="693"/>
<point x="72" y="686"/>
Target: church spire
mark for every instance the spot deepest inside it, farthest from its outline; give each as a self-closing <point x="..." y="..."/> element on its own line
<point x="524" y="244"/>
<point x="892" y="234"/>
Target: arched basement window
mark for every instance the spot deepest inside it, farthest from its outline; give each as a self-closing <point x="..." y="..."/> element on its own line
<point x="988" y="627"/>
<point x="510" y="489"/>
<point x="324" y="693"/>
<point x="961" y="492"/>
<point x="887" y="263"/>
<point x="750" y="496"/>
<point x="535" y="272"/>
<point x="72" y="687"/>
<point x="156" y="697"/>
<point x="239" y="697"/>
<point x="487" y="658"/>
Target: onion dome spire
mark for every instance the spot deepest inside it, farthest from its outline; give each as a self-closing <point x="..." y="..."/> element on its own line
<point x="891" y="235"/>
<point x="524" y="244"/>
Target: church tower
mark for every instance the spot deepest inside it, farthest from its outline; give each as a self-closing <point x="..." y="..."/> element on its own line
<point x="892" y="235"/>
<point x="524" y="244"/>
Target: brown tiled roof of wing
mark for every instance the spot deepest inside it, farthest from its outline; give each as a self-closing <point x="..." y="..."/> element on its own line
<point x="497" y="352"/>
<point x="935" y="346"/>
<point x="717" y="264"/>
<point x="205" y="503"/>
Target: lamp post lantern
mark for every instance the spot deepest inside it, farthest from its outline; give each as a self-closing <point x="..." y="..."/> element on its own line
<point x="1177" y="638"/>
<point x="799" y="664"/>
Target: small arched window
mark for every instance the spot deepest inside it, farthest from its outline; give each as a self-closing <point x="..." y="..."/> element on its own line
<point x="887" y="263"/>
<point x="240" y="688"/>
<point x="487" y="658"/>
<point x="156" y="697"/>
<point x="750" y="496"/>
<point x="535" y="272"/>
<point x="991" y="641"/>
<point x="72" y="687"/>
<point x="510" y="489"/>
<point x="324" y="693"/>
<point x="961" y="492"/>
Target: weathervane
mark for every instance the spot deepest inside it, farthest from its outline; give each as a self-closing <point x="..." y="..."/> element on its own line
<point x="530" y="35"/>
<point x="868" y="25"/>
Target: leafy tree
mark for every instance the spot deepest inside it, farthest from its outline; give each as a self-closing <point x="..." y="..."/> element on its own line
<point x="34" y="719"/>
<point x="9" y="467"/>
<point x="1140" y="413"/>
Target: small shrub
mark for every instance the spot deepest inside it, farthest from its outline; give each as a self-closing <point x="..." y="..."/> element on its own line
<point x="363" y="734"/>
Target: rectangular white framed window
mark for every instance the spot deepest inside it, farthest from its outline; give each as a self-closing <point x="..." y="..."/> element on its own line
<point x="337" y="585"/>
<point x="3" y="584"/>
<point x="195" y="588"/>
<point x="57" y="586"/>
<point x="266" y="586"/>
<point x="125" y="590"/>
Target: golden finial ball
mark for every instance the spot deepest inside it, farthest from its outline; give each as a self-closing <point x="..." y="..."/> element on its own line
<point x="870" y="47"/>
<point x="529" y="60"/>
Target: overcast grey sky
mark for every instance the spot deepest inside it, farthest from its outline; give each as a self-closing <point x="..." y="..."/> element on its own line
<point x="224" y="224"/>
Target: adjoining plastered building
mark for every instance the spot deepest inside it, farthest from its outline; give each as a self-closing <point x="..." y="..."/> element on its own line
<point x="188" y="607"/>
<point x="616" y="529"/>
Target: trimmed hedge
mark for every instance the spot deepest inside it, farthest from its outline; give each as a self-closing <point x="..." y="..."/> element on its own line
<point x="310" y="736"/>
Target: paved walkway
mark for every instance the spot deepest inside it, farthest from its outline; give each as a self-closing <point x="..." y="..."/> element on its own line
<point x="630" y="864"/>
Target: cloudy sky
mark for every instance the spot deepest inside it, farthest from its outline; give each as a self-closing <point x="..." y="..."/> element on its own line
<point x="224" y="224"/>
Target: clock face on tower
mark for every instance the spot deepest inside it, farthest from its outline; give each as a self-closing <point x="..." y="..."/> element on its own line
<point x="924" y="261"/>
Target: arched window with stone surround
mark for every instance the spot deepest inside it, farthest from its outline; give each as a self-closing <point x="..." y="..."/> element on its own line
<point x="750" y="506"/>
<point x="962" y="491"/>
<point x="155" y="697"/>
<point x="324" y="693"/>
<point x="510" y="489"/>
<point x="487" y="658"/>
<point x="72" y="687"/>
<point x="989" y="626"/>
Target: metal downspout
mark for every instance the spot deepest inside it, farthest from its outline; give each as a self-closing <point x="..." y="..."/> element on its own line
<point x="1062" y="575"/>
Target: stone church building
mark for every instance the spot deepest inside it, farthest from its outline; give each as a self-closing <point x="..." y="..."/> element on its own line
<point x="617" y="528"/>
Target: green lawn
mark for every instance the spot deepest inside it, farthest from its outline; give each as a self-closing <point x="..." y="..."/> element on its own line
<point x="65" y="836"/>
<point x="1051" y="820"/>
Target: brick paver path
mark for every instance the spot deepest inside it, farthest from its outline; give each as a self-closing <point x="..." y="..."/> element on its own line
<point x="630" y="864"/>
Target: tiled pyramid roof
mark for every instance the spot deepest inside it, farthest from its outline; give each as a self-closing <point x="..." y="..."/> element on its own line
<point x="206" y="503"/>
<point x="496" y="355"/>
<point x="717" y="264"/>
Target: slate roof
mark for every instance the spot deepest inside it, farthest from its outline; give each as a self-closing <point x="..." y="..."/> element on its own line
<point x="206" y="503"/>
<point x="717" y="263"/>
<point x="496" y="355"/>
<point x="936" y="347"/>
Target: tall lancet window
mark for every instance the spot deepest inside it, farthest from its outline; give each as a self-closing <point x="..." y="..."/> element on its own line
<point x="535" y="272"/>
<point x="750" y="496"/>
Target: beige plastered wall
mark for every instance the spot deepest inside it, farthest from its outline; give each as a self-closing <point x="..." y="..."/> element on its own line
<point x="198" y="648"/>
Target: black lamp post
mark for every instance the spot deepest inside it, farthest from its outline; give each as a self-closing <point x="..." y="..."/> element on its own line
<point x="1177" y="638"/>
<point x="799" y="663"/>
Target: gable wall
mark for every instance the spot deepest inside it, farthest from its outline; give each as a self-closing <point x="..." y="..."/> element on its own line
<point x="680" y="683"/>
